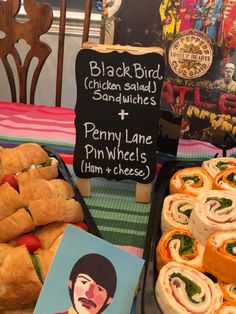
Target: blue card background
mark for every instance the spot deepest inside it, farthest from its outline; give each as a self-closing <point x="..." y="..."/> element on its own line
<point x="76" y="243"/>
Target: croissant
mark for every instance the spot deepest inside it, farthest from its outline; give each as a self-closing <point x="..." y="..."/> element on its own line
<point x="44" y="258"/>
<point x="14" y="160"/>
<point x="19" y="311"/>
<point x="18" y="223"/>
<point x="40" y="212"/>
<point x="19" y="283"/>
<point x="45" y="211"/>
<point x="49" y="234"/>
<point x="10" y="200"/>
<point x="22" y="274"/>
<point x="50" y="237"/>
<point x="47" y="171"/>
<point x="40" y="188"/>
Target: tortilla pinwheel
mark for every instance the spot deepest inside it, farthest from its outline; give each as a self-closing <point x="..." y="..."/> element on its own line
<point x="220" y="256"/>
<point x="178" y="245"/>
<point x="229" y="292"/>
<point x="176" y="211"/>
<point x="190" y="181"/>
<point x="227" y="308"/>
<point x="215" y="166"/>
<point x="213" y="211"/>
<point x="182" y="289"/>
<point x="226" y="180"/>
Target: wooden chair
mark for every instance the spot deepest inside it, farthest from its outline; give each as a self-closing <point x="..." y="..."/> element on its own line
<point x="39" y="20"/>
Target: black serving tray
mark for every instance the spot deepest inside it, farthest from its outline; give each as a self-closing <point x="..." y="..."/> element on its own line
<point x="65" y="174"/>
<point x="146" y="299"/>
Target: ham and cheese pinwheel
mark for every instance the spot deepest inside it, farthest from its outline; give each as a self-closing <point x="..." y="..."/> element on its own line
<point x="229" y="292"/>
<point x="217" y="165"/>
<point x="213" y="211"/>
<point x="176" y="211"/>
<point x="226" y="180"/>
<point x="181" y="290"/>
<point x="220" y="256"/>
<point x="191" y="181"/>
<point x="227" y="308"/>
<point x="178" y="245"/>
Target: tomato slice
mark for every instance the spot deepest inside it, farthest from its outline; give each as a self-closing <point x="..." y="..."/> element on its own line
<point x="11" y="180"/>
<point x="30" y="241"/>
<point x="82" y="225"/>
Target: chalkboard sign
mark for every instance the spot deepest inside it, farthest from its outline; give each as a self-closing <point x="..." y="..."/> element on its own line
<point x="117" y="114"/>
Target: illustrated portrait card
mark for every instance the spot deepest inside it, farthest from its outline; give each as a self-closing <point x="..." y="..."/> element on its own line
<point x="89" y="275"/>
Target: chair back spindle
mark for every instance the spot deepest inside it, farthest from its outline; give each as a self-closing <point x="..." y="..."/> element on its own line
<point x="12" y="31"/>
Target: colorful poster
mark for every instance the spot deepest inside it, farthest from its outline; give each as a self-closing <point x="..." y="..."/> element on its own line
<point x="199" y="40"/>
<point x="89" y="276"/>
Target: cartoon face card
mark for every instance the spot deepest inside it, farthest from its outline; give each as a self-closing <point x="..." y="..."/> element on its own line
<point x="89" y="276"/>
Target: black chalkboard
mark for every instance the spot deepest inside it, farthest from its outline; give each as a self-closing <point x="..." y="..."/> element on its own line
<point x="117" y="114"/>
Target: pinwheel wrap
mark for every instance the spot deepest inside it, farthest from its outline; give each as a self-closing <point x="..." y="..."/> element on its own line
<point x="215" y="166"/>
<point x="176" y="211"/>
<point x="226" y="180"/>
<point x="178" y="245"/>
<point x="191" y="181"/>
<point x="229" y="292"/>
<point x="213" y="211"/>
<point x="227" y="308"/>
<point x="183" y="290"/>
<point x="220" y="256"/>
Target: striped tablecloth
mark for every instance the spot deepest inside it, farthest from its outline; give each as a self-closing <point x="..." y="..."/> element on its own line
<point x="120" y="219"/>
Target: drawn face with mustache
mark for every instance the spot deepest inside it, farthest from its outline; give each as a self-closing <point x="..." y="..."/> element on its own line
<point x="89" y="297"/>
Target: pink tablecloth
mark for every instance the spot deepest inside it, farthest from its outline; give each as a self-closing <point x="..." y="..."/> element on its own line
<point x="120" y="219"/>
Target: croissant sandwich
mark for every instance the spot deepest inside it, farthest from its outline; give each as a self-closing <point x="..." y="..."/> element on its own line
<point x="38" y="213"/>
<point x="27" y="161"/>
<point x="49" y="234"/>
<point x="40" y="188"/>
<point x="10" y="200"/>
<point x="47" y="171"/>
<point x="22" y="273"/>
<point x="20" y="281"/>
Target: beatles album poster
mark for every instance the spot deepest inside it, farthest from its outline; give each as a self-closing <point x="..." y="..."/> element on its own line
<point x="199" y="41"/>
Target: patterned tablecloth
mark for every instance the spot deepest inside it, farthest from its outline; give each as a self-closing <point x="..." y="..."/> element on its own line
<point x="120" y="219"/>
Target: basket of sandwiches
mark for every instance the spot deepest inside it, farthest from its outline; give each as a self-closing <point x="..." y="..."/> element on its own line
<point x="38" y="198"/>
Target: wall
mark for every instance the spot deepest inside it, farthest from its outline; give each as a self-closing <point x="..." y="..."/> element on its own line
<point x="45" y="93"/>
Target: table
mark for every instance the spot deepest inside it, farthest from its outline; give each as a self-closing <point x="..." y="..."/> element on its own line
<point x="121" y="220"/>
